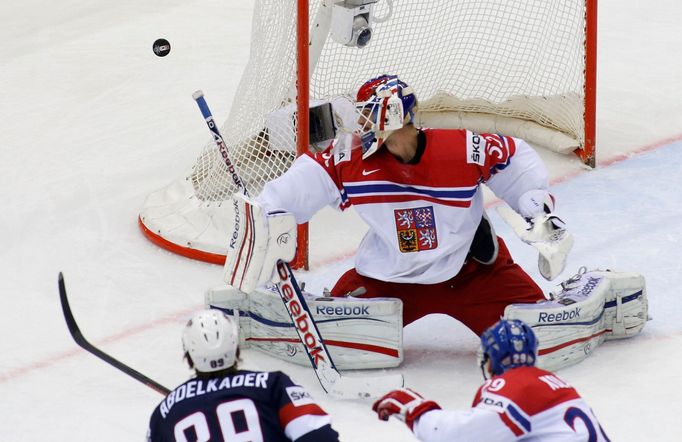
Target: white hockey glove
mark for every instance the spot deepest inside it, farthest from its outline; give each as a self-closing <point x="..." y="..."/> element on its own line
<point x="541" y="229"/>
<point x="536" y="202"/>
<point x="258" y="241"/>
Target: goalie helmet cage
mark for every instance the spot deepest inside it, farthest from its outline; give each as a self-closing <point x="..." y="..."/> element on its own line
<point x="525" y="68"/>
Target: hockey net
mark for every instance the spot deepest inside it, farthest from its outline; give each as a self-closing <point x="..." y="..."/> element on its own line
<point x="518" y="67"/>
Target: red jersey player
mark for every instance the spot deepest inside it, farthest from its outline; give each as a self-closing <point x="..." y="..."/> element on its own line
<point x="519" y="401"/>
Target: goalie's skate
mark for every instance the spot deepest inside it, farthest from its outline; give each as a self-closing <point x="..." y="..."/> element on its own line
<point x="588" y="309"/>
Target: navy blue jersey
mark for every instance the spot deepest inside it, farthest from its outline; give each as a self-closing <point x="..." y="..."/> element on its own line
<point x="245" y="406"/>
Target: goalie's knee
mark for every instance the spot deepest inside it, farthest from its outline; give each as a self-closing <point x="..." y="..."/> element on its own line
<point x="233" y="303"/>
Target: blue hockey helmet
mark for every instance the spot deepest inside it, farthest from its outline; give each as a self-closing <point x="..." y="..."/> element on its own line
<point x="508" y="344"/>
<point x="385" y="104"/>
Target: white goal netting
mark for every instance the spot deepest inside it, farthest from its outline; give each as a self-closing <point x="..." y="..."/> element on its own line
<point x="509" y="66"/>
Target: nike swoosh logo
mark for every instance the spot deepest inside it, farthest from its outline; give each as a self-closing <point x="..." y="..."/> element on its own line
<point x="368" y="172"/>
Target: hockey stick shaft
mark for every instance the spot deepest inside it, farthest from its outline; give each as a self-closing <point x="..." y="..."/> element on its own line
<point x="81" y="341"/>
<point x="222" y="147"/>
<point x="288" y="288"/>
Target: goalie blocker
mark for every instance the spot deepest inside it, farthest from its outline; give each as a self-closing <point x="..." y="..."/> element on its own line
<point x="258" y="241"/>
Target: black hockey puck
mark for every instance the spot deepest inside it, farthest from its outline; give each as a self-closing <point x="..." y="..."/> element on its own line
<point x="161" y="47"/>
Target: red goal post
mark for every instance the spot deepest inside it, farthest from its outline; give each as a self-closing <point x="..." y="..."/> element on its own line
<point x="521" y="67"/>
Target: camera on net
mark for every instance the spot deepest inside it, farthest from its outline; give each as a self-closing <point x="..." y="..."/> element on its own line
<point x="352" y="22"/>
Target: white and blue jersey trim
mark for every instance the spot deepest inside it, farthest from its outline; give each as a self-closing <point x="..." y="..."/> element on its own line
<point x="389" y="188"/>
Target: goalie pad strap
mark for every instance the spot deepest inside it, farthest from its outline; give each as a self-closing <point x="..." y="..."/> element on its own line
<point x="257" y="242"/>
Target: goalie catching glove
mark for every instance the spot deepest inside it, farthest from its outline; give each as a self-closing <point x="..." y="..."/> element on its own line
<point x="542" y="229"/>
<point x="404" y="404"/>
<point x="258" y="241"/>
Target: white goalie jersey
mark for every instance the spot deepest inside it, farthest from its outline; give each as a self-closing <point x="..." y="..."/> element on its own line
<point x="422" y="217"/>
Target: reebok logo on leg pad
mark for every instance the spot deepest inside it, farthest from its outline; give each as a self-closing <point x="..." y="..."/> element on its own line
<point x="561" y="316"/>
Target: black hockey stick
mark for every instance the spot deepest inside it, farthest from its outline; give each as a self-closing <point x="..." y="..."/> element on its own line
<point x="80" y="340"/>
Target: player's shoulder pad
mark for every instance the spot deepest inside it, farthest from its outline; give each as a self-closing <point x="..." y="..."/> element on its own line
<point x="342" y="148"/>
<point x="512" y="384"/>
<point x="475" y="148"/>
<point x="530" y="388"/>
<point x="278" y="376"/>
<point x="338" y="152"/>
<point x="489" y="150"/>
<point x="452" y="143"/>
<point x="281" y="378"/>
<point x="298" y="395"/>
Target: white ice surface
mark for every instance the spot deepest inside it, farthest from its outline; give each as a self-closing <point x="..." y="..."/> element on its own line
<point x="91" y="122"/>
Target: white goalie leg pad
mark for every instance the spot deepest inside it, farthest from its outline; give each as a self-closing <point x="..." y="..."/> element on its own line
<point x="626" y="309"/>
<point x="235" y="303"/>
<point x="257" y="242"/>
<point x="359" y="333"/>
<point x="587" y="309"/>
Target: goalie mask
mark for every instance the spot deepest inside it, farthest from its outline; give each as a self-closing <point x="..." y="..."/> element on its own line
<point x="507" y="344"/>
<point x="210" y="339"/>
<point x="385" y="104"/>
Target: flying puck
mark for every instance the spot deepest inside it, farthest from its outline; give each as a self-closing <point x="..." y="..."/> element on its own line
<point x="161" y="47"/>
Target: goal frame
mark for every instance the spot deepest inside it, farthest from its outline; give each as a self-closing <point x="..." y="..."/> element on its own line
<point x="587" y="154"/>
<point x="309" y="46"/>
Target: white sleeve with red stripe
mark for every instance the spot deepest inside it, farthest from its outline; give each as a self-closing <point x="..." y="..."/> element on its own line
<point x="473" y="424"/>
<point x="303" y="190"/>
<point x="524" y="172"/>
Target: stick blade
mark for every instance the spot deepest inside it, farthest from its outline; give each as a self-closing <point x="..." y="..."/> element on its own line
<point x="77" y="336"/>
<point x="347" y="387"/>
<point x="68" y="314"/>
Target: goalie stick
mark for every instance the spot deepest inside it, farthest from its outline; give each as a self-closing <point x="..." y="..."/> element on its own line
<point x="330" y="379"/>
<point x="81" y="341"/>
